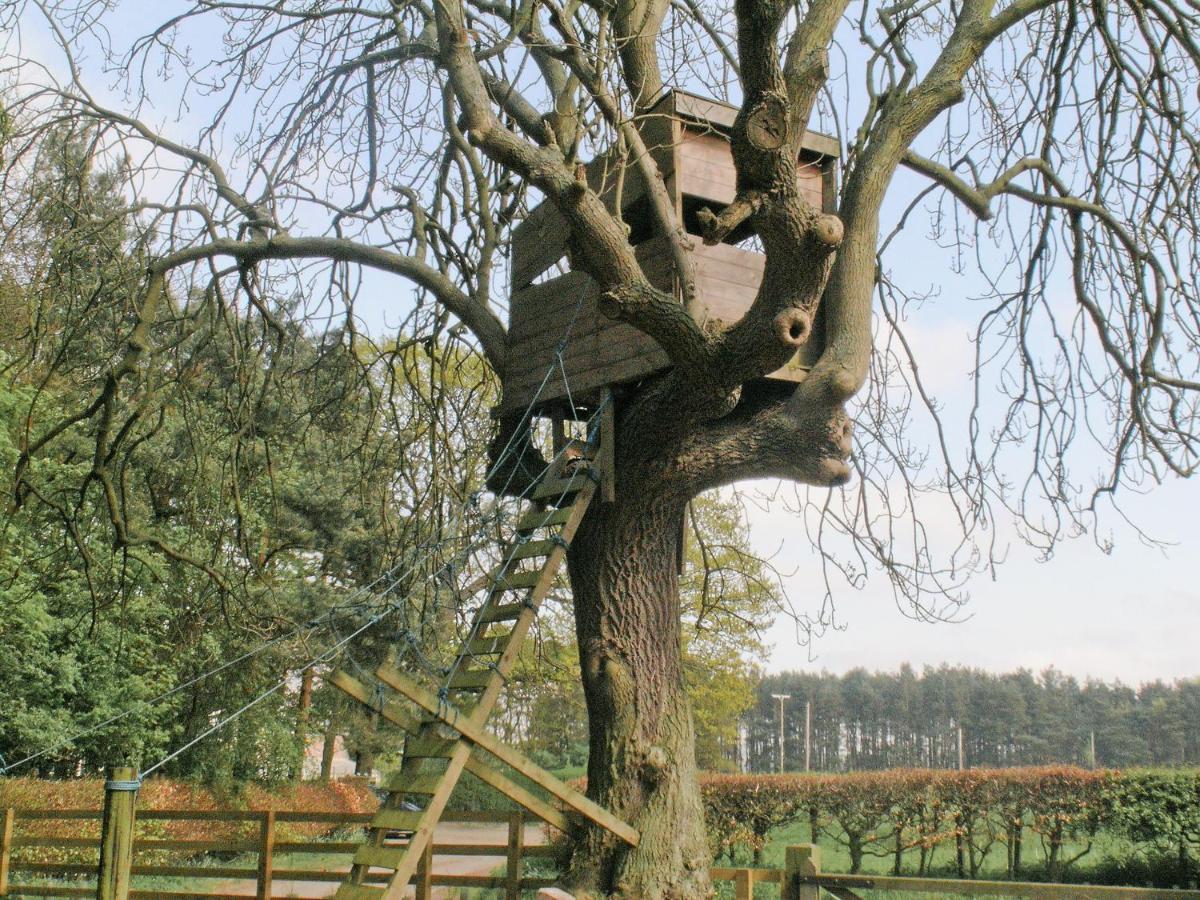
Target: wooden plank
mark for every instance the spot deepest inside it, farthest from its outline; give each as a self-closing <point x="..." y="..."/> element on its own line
<point x="500" y="612"/>
<point x="409" y="784"/>
<point x="395" y="714"/>
<point x="544" y="518"/>
<point x="345" y="818"/>
<point x="611" y="347"/>
<point x="486" y="646"/>
<point x="266" y="855"/>
<point x="531" y="550"/>
<point x="516" y="843"/>
<point x="476" y="735"/>
<point x="519" y="794"/>
<point x="193" y="846"/>
<point x="969" y="888"/>
<point x="356" y="891"/>
<point x="540" y="239"/>
<point x="426" y="746"/>
<point x="6" y="846"/>
<point x="44" y="890"/>
<point x="211" y="815"/>
<point x="760" y="876"/>
<point x="390" y="710"/>
<point x="88" y="843"/>
<point x="400" y="819"/>
<point x="380" y="857"/>
<point x="471" y="679"/>
<point x="424" y="878"/>
<point x="561" y="487"/>
<point x="348" y="847"/>
<point x="516" y="581"/>
<point x="586" y="385"/>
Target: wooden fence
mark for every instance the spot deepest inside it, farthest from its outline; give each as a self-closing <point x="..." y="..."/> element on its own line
<point x="800" y="879"/>
<point x="25" y="829"/>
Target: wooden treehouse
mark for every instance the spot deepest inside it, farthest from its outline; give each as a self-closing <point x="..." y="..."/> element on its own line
<point x="445" y="717"/>
<point x="688" y="136"/>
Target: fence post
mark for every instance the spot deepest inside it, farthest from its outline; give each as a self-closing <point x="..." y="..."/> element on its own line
<point x="516" y="847"/>
<point x="743" y="884"/>
<point x="801" y="859"/>
<point x="266" y="853"/>
<point x="424" y="890"/>
<point x="6" y="837"/>
<point x="116" y="833"/>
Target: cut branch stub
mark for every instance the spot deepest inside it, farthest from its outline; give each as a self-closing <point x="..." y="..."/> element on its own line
<point x="793" y="327"/>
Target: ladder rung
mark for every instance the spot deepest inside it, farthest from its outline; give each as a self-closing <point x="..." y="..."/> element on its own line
<point x="532" y="549"/>
<point x="380" y="857"/>
<point x="517" y="581"/>
<point x="397" y="819"/>
<point x="429" y="747"/>
<point x="559" y="487"/>
<point x="544" y="518"/>
<point x="471" y="679"/>
<point x="404" y="783"/>
<point x="357" y="892"/>
<point x="500" y="612"/>
<point x="486" y="646"/>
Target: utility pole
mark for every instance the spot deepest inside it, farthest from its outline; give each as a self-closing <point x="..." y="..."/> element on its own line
<point x="807" y="735"/>
<point x="1093" y="749"/>
<point x="960" y="750"/>
<point x="781" y="698"/>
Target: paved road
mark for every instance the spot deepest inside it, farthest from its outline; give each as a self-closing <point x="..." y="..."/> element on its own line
<point x="442" y="865"/>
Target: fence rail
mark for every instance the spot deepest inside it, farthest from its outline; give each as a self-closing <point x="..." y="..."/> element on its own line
<point x="266" y="846"/>
<point x="800" y="879"/>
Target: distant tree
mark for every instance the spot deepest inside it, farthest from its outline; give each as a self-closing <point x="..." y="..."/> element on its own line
<point x="1010" y="719"/>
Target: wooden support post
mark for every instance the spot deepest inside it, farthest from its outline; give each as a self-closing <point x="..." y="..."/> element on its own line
<point x="424" y="886"/>
<point x="607" y="460"/>
<point x="516" y="847"/>
<point x="558" y="432"/>
<point x="6" y="839"/>
<point x="116" y="834"/>
<point x="743" y="884"/>
<point x="801" y="860"/>
<point x="266" y="855"/>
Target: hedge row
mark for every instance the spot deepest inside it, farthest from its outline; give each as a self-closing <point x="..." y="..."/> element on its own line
<point x="906" y="814"/>
<point x="351" y="796"/>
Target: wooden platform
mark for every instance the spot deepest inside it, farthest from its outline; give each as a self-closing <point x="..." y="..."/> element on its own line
<point x="688" y="139"/>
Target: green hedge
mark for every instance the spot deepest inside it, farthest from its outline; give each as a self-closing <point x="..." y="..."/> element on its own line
<point x="1037" y="820"/>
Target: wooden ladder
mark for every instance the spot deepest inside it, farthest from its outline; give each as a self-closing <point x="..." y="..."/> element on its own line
<point x="448" y="729"/>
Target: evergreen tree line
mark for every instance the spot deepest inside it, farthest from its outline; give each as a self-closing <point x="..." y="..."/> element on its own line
<point x="880" y="720"/>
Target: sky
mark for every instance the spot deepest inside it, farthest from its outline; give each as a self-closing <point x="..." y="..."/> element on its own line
<point x="1131" y="615"/>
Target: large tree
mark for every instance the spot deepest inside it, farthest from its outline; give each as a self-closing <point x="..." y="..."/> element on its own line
<point x="1053" y="142"/>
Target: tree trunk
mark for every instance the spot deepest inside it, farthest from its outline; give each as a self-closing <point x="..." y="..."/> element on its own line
<point x="641" y="764"/>
<point x="328" y="751"/>
<point x="303" y="714"/>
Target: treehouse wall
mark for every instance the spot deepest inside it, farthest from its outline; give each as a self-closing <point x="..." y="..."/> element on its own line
<point x="688" y="138"/>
